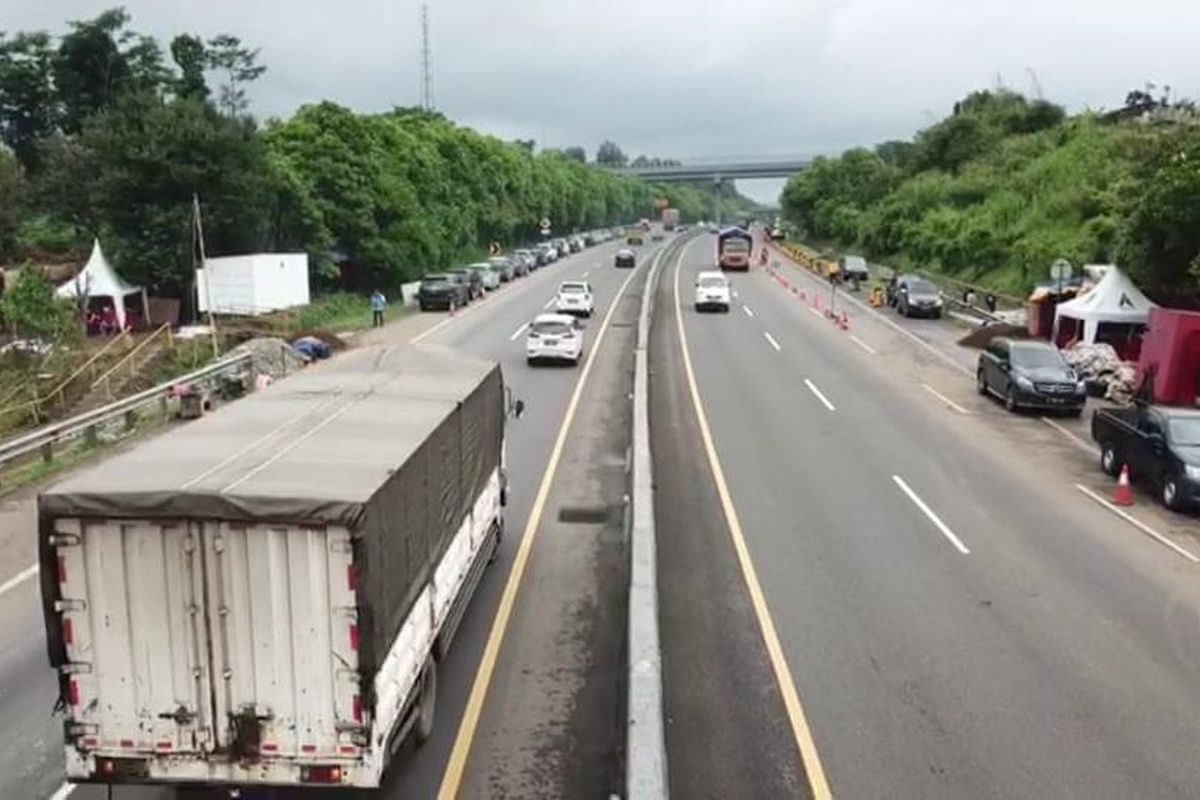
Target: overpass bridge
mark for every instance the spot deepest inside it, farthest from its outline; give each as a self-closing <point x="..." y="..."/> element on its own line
<point x="719" y="170"/>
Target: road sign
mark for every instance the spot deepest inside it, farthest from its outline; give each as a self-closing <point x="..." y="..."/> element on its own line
<point x="1060" y="270"/>
<point x="545" y="223"/>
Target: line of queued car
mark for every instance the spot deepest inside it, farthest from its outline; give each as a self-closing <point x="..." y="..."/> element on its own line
<point x="458" y="287"/>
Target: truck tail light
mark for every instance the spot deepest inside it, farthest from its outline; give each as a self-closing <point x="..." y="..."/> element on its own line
<point x="356" y="709"/>
<point x="331" y="773"/>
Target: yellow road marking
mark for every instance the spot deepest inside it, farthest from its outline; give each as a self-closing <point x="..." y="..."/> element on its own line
<point x="452" y="777"/>
<point x="817" y="782"/>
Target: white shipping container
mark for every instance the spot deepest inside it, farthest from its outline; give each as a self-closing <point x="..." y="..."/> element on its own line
<point x="253" y="284"/>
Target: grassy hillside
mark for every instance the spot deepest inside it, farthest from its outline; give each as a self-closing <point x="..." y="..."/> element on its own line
<point x="1004" y="186"/>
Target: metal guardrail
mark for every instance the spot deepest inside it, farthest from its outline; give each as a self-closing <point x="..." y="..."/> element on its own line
<point x="45" y="438"/>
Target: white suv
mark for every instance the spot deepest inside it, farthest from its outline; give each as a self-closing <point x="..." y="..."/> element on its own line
<point x="712" y="291"/>
<point x="554" y="337"/>
<point x="574" y="297"/>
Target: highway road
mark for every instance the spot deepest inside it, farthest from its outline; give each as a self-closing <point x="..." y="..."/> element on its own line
<point x="873" y="582"/>
<point x="576" y="580"/>
<point x="879" y="584"/>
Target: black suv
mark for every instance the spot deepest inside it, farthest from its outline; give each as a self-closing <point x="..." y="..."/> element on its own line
<point x="913" y="296"/>
<point x="442" y="291"/>
<point x="1028" y="374"/>
<point x="470" y="279"/>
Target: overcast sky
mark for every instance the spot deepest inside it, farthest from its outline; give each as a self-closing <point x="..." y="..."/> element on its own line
<point x="685" y="78"/>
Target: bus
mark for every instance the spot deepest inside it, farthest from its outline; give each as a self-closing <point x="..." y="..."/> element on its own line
<point x="733" y="249"/>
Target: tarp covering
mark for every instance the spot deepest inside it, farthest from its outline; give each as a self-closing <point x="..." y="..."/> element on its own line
<point x="1114" y="299"/>
<point x="395" y="444"/>
<point x="99" y="279"/>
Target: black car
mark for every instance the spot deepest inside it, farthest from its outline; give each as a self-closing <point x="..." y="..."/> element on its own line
<point x="441" y="291"/>
<point x="854" y="268"/>
<point x="913" y="296"/>
<point x="1160" y="445"/>
<point x="470" y="279"/>
<point x="1029" y="375"/>
<point x="624" y="258"/>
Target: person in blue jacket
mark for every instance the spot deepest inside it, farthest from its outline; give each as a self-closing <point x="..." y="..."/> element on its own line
<point x="378" y="304"/>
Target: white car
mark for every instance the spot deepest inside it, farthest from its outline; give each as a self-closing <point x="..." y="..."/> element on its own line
<point x="574" y="297"/>
<point x="713" y="291"/>
<point x="554" y="337"/>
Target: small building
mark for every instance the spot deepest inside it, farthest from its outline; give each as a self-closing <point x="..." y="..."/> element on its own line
<point x="111" y="301"/>
<point x="253" y="284"/>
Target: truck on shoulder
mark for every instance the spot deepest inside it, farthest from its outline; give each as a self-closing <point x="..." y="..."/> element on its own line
<point x="261" y="598"/>
<point x="1159" y="444"/>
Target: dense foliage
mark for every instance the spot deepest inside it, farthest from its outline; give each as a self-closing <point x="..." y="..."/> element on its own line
<point x="109" y="134"/>
<point x="1004" y="186"/>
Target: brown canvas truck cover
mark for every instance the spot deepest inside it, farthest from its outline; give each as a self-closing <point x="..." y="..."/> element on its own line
<point x="393" y="443"/>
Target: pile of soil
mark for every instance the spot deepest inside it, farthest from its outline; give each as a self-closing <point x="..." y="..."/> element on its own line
<point x="980" y="337"/>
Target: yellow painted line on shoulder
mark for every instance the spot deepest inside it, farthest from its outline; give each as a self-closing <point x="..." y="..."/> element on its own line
<point x="818" y="784"/>
<point x="455" y="767"/>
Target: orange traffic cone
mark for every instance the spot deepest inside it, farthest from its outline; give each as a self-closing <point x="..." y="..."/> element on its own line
<point x="1123" y="494"/>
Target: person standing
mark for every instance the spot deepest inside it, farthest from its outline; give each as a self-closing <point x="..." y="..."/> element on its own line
<point x="378" y="304"/>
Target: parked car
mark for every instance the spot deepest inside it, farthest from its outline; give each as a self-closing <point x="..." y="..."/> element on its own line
<point x="441" y="291"/>
<point x="853" y="268"/>
<point x="713" y="291"/>
<point x="472" y="280"/>
<point x="590" y="239"/>
<point x="625" y="258"/>
<point x="575" y="244"/>
<point x="547" y="253"/>
<point x="916" y="297"/>
<point x="512" y="268"/>
<point x="554" y="337"/>
<point x="529" y="257"/>
<point x="635" y="237"/>
<point x="574" y="297"/>
<point x="564" y="248"/>
<point x="488" y="276"/>
<point x="1160" y="444"/>
<point x="1029" y="374"/>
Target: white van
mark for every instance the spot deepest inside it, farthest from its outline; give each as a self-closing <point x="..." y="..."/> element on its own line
<point x="713" y="291"/>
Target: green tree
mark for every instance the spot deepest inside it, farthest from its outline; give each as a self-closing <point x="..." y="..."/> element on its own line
<point x="29" y="108"/>
<point x="191" y="57"/>
<point x="240" y="64"/>
<point x="31" y="310"/>
<point x="576" y="153"/>
<point x="10" y="204"/>
<point x="149" y="158"/>
<point x="90" y="70"/>
<point x="608" y="154"/>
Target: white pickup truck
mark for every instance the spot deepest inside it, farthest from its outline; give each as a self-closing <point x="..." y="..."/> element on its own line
<point x="261" y="597"/>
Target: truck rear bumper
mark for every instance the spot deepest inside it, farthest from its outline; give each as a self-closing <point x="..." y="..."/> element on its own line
<point x="151" y="769"/>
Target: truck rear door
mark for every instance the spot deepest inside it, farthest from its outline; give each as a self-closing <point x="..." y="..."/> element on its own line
<point x="133" y="624"/>
<point x="285" y="639"/>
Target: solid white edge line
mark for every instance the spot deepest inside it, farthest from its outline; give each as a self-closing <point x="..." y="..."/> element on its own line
<point x="18" y="579"/>
<point x="63" y="791"/>
<point x="934" y="518"/>
<point x="863" y="345"/>
<point x="1088" y="448"/>
<point x="518" y="331"/>
<point x="944" y="399"/>
<point x="749" y="313"/>
<point x="771" y="339"/>
<point x="1137" y="523"/>
<point x="812" y="387"/>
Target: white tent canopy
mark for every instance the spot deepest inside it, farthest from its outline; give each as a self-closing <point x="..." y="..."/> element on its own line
<point x="98" y="279"/>
<point x="1114" y="299"/>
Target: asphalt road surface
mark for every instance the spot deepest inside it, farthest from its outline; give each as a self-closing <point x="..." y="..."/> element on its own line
<point x="30" y="737"/>
<point x="956" y="619"/>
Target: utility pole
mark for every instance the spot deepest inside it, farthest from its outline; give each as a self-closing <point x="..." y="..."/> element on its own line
<point x="426" y="62"/>
<point x="198" y="246"/>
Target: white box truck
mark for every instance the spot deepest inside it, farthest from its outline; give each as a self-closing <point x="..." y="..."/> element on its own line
<point x="261" y="597"/>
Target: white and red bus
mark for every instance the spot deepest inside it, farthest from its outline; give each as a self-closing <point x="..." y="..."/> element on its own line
<point x="733" y="249"/>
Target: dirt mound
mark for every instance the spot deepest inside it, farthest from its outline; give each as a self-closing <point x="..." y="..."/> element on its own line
<point x="980" y="337"/>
